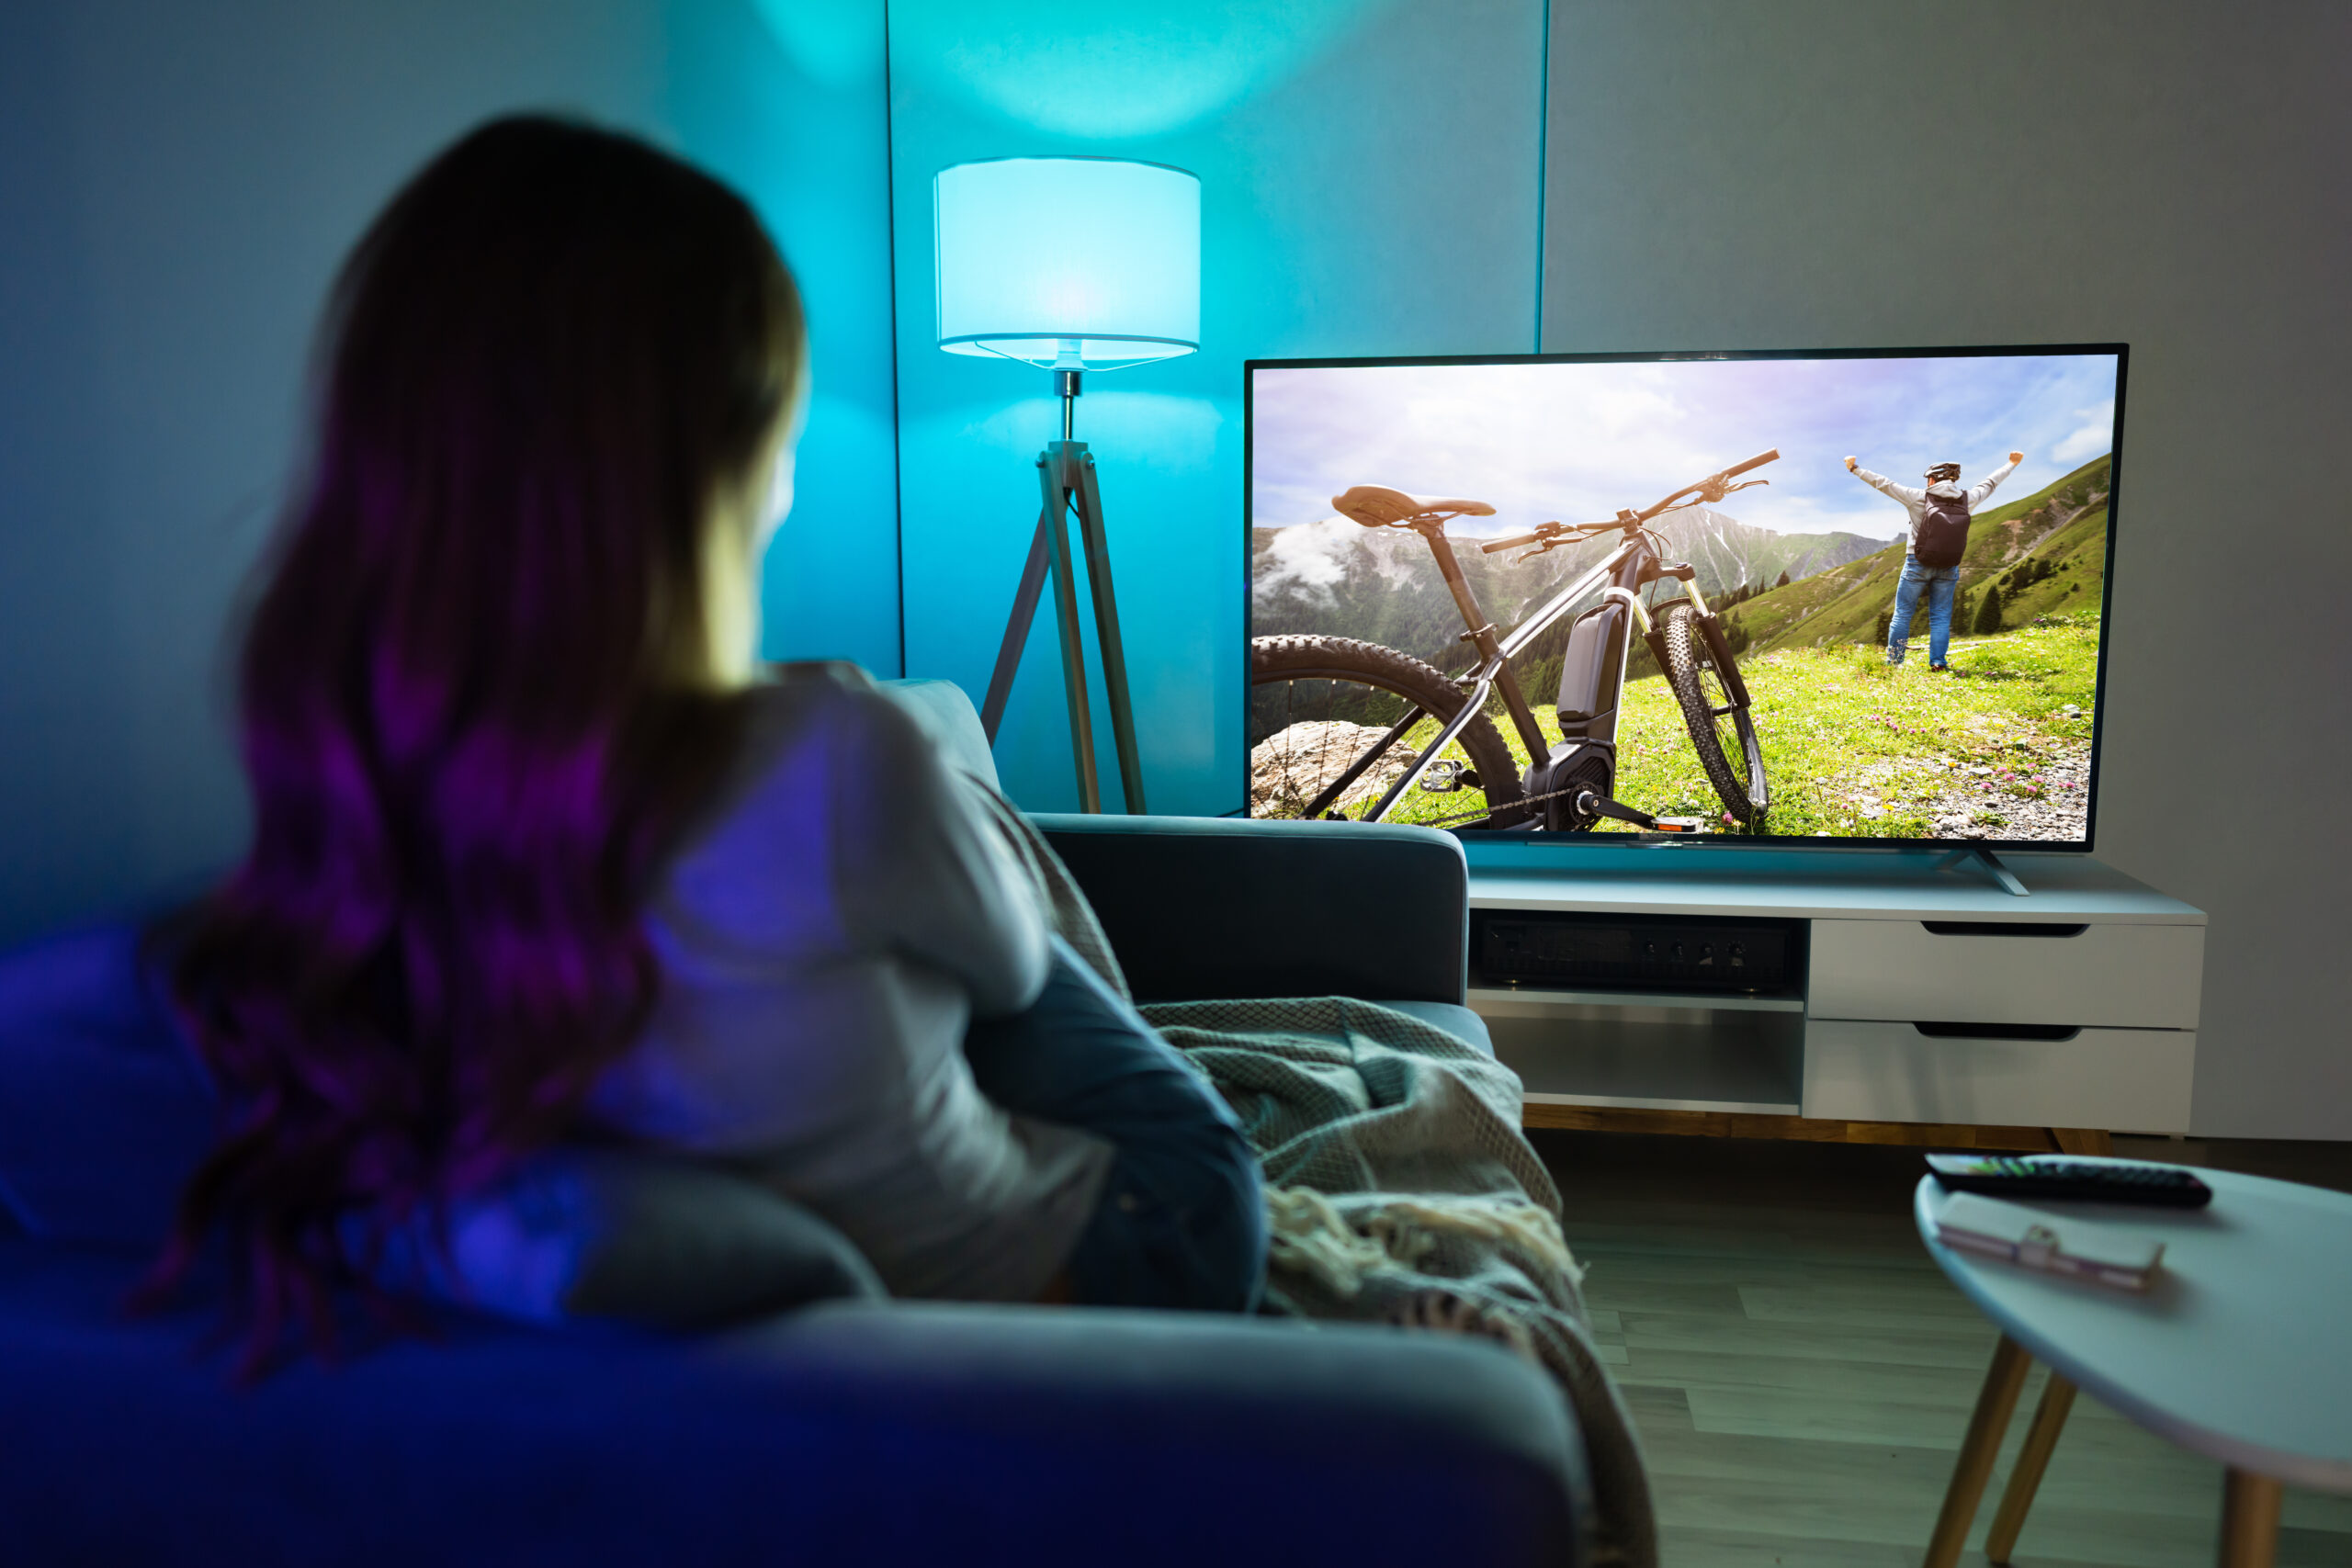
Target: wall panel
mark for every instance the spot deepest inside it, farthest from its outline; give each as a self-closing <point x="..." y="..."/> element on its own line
<point x="1839" y="172"/>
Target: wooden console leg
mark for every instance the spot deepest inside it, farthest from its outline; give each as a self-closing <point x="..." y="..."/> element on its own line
<point x="2249" y="1521"/>
<point x="1994" y="1405"/>
<point x="2083" y="1140"/>
<point x="2049" y="1420"/>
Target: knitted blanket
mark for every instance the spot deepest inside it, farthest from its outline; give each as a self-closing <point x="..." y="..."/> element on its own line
<point x="1400" y="1188"/>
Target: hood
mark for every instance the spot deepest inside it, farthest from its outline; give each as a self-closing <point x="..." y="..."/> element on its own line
<point x="1947" y="489"/>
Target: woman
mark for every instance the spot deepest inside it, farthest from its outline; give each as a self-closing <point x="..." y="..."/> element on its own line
<point x="539" y="850"/>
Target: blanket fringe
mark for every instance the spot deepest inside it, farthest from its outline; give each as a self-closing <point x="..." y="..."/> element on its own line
<point x="1308" y="1233"/>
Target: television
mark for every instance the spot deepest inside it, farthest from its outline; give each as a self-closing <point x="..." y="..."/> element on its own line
<point x="1571" y="597"/>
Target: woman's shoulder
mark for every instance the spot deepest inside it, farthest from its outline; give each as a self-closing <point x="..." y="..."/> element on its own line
<point x="828" y="701"/>
<point x="823" y="752"/>
<point x="825" y="738"/>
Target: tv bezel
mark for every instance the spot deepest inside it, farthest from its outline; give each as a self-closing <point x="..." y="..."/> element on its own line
<point x="1480" y="836"/>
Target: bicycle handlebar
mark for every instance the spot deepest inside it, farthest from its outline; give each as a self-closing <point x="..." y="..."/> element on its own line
<point x="1554" y="530"/>
<point x="1710" y="489"/>
<point x="1512" y="543"/>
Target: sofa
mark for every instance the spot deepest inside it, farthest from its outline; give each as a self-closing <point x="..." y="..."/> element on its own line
<point x="812" y="1421"/>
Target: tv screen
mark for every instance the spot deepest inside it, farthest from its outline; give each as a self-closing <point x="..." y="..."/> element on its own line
<point x="1850" y="596"/>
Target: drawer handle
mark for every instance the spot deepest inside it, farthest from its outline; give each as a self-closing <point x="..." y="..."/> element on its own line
<point x="1999" y="1031"/>
<point x="2000" y="928"/>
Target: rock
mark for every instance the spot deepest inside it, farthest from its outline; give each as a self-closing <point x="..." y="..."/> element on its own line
<point x="1290" y="767"/>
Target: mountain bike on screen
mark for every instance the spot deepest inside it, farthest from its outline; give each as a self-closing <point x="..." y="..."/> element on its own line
<point x="1318" y="704"/>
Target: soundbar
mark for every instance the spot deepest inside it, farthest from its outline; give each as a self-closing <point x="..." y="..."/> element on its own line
<point x="1665" y="952"/>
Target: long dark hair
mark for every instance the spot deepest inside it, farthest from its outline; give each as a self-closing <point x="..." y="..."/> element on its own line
<point x="477" y="691"/>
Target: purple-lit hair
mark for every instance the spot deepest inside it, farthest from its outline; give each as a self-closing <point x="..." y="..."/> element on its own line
<point x="475" y="692"/>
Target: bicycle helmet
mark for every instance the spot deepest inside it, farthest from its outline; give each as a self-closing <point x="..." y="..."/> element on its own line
<point x="1943" y="471"/>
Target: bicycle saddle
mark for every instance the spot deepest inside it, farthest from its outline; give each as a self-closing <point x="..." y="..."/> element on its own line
<point x="1378" y="506"/>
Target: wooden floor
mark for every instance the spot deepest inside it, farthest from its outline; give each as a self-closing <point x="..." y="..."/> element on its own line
<point x="1802" y="1373"/>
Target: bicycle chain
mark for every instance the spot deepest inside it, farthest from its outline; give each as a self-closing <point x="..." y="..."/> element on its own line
<point x="1523" y="800"/>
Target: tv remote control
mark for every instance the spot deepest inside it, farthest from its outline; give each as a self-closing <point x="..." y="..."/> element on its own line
<point x="2070" y="1180"/>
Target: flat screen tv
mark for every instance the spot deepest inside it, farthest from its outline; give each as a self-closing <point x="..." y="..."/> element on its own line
<point x="1849" y="596"/>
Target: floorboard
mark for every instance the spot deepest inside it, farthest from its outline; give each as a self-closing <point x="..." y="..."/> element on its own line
<point x="1801" y="1372"/>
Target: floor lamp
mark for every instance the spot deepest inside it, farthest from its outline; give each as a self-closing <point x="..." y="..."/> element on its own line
<point x="1070" y="265"/>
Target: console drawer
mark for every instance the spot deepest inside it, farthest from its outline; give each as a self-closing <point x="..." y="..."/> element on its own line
<point x="2138" y="977"/>
<point x="2134" y="1081"/>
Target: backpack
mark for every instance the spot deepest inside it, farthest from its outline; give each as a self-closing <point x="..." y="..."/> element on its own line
<point x="1943" y="531"/>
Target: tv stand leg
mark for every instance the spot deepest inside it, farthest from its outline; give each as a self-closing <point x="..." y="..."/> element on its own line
<point x="2001" y="874"/>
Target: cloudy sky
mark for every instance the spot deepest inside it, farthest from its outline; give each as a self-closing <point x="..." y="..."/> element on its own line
<point x="1576" y="442"/>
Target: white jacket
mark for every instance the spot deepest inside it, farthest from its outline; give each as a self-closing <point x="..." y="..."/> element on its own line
<point x="1914" y="502"/>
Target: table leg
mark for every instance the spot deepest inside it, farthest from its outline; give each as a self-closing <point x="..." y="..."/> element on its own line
<point x="2249" y="1521"/>
<point x="2025" y="1479"/>
<point x="1998" y="1401"/>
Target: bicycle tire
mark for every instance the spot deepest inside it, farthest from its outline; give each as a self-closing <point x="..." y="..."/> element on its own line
<point x="1345" y="661"/>
<point x="1690" y="669"/>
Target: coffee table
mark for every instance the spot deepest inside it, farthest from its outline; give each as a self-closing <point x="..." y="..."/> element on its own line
<point x="2241" y="1352"/>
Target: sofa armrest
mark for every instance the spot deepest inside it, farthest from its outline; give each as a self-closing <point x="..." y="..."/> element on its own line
<point x="1200" y="907"/>
<point x="868" y="1433"/>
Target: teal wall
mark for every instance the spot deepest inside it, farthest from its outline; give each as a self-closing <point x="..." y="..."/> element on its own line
<point x="784" y="99"/>
<point x="1369" y="183"/>
<point x="177" y="183"/>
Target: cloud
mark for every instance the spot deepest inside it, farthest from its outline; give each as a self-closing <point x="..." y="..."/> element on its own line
<point x="2092" y="438"/>
<point x="1309" y="559"/>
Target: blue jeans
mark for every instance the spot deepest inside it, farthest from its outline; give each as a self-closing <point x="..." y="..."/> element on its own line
<point x="1182" y="1220"/>
<point x="1941" y="583"/>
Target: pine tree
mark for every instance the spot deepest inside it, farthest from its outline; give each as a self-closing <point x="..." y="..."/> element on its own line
<point x="1886" y="623"/>
<point x="1785" y="580"/>
<point x="1988" y="613"/>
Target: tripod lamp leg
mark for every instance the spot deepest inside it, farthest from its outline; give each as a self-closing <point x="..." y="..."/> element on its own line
<point x="1053" y="479"/>
<point x="1017" y="631"/>
<point x="1079" y="467"/>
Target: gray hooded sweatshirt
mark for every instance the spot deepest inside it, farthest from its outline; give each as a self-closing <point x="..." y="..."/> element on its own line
<point x="1914" y="502"/>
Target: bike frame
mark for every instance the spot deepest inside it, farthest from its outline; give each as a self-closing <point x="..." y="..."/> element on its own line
<point x="1632" y="565"/>
<point x="1623" y="569"/>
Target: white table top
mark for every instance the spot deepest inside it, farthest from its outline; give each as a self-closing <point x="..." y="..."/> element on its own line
<point x="2240" y="1351"/>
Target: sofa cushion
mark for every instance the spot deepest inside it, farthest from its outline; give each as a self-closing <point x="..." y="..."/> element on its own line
<point x="626" y="1234"/>
<point x="106" y="1110"/>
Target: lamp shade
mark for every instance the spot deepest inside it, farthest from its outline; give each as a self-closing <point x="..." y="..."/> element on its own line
<point x="1079" y="263"/>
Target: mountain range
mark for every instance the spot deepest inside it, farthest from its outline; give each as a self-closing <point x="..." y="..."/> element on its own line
<point x="1340" y="579"/>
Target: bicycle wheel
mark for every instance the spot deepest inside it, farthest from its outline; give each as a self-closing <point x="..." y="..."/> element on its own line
<point x="1722" y="733"/>
<point x="1318" y="703"/>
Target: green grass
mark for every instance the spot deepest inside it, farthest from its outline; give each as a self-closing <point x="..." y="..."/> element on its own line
<point x="1822" y="715"/>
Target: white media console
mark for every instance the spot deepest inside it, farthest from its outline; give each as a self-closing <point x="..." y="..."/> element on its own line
<point x="1929" y="992"/>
